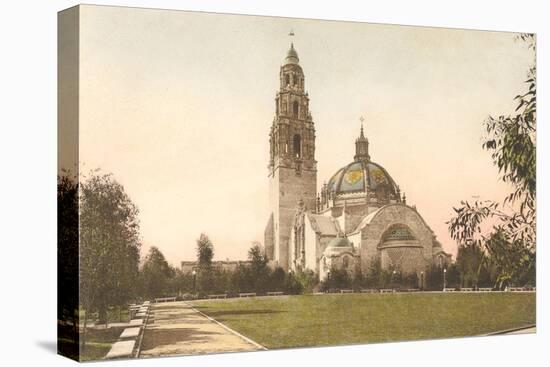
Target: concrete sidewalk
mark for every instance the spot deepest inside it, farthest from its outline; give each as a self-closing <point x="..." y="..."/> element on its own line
<point x="175" y="328"/>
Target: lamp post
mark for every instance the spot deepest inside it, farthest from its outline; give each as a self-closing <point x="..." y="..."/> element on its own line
<point x="194" y="280"/>
<point x="421" y="280"/>
<point x="444" y="279"/>
<point x="393" y="279"/>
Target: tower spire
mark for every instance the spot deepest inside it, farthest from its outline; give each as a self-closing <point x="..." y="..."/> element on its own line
<point x="292" y="55"/>
<point x="362" y="145"/>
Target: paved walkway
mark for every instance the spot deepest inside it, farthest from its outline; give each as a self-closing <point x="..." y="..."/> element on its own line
<point x="175" y="328"/>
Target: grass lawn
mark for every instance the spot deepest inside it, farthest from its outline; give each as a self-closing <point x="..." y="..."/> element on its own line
<point x="315" y="320"/>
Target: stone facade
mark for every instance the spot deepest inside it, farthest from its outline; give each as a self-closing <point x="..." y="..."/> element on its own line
<point x="292" y="165"/>
<point x="358" y="216"/>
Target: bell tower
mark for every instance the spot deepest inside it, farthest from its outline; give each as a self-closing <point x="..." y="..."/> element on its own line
<point x="292" y="166"/>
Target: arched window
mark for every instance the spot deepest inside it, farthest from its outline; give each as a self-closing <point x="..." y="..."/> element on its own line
<point x="297" y="145"/>
<point x="295" y="108"/>
<point x="345" y="262"/>
<point x="398" y="232"/>
<point x="287" y="79"/>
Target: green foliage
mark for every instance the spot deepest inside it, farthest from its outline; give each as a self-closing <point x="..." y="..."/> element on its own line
<point x="205" y="251"/>
<point x="337" y="279"/>
<point x="513" y="261"/>
<point x="67" y="254"/>
<point x="277" y="280"/>
<point x="511" y="141"/>
<point x="205" y="273"/>
<point x="308" y="280"/>
<point x="434" y="279"/>
<point x="156" y="275"/>
<point x="293" y="284"/>
<point x="453" y="276"/>
<point x="259" y="272"/>
<point x="470" y="261"/>
<point x="109" y="244"/>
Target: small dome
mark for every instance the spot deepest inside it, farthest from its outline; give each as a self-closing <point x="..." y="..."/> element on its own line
<point x="292" y="55"/>
<point x="339" y="242"/>
<point x="360" y="177"/>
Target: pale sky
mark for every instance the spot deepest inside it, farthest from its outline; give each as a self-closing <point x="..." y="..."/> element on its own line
<point x="178" y="106"/>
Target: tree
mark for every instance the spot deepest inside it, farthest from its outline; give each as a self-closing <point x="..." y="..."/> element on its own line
<point x="67" y="256"/>
<point x="205" y="253"/>
<point x="337" y="279"/>
<point x="307" y="279"/>
<point x="259" y="271"/>
<point x="513" y="261"/>
<point x="277" y="280"/>
<point x="109" y="245"/>
<point x="470" y="261"/>
<point x="511" y="141"/>
<point x="453" y="276"/>
<point x="292" y="284"/>
<point x="156" y="274"/>
<point x="434" y="278"/>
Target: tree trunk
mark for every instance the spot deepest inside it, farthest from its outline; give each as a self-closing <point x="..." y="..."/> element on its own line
<point x="102" y="315"/>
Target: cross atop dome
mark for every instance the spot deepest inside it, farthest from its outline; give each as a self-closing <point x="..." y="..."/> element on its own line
<point x="362" y="119"/>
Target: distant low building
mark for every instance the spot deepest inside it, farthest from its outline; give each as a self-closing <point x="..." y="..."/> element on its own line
<point x="230" y="265"/>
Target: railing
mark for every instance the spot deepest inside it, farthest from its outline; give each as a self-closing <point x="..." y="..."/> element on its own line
<point x="217" y="296"/>
<point x="165" y="299"/>
<point x="369" y="290"/>
<point x="247" y="294"/>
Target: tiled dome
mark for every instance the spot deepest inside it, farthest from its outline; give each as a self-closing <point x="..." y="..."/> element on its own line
<point x="339" y="242"/>
<point x="292" y="55"/>
<point x="361" y="176"/>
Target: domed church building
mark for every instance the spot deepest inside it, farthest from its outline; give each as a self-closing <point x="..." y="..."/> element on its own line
<point x="358" y="216"/>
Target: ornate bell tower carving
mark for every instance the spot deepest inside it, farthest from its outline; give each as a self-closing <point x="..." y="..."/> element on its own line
<point x="292" y="165"/>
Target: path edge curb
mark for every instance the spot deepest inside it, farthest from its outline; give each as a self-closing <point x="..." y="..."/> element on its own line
<point x="258" y="345"/>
